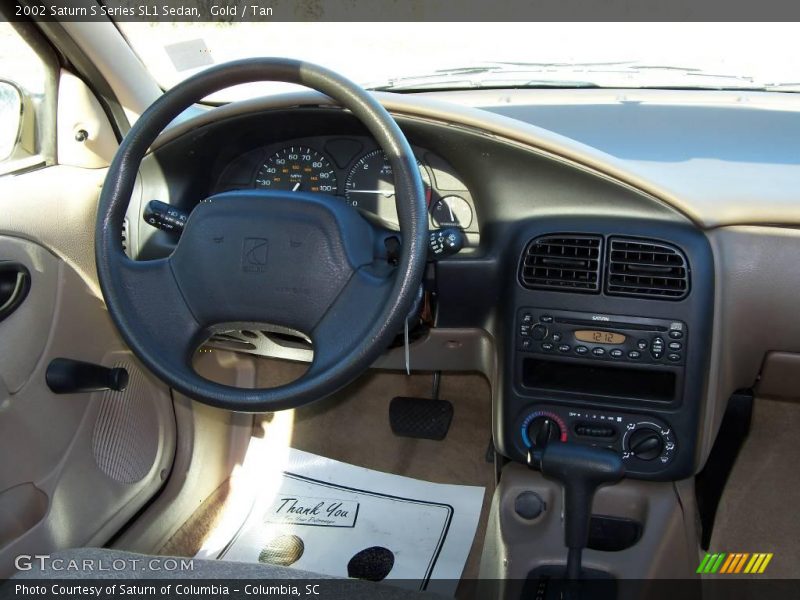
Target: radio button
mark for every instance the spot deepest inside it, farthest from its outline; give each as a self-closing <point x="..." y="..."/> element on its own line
<point x="615" y="353"/>
<point x="556" y="337"/>
<point x="657" y="348"/>
<point x="675" y="334"/>
<point x="674" y="357"/>
<point x="526" y="344"/>
<point x="539" y="332"/>
<point x="634" y="354"/>
<point x="598" y="351"/>
<point x="642" y="344"/>
<point x="547" y="346"/>
<point x="581" y="350"/>
<point x="527" y="319"/>
<point x="675" y="346"/>
<point x="564" y="348"/>
<point x="546" y="319"/>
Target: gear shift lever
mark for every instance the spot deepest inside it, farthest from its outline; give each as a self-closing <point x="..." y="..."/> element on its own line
<point x="580" y="470"/>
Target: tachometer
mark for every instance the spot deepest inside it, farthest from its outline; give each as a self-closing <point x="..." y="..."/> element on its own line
<point x="297" y="169"/>
<point x="370" y="185"/>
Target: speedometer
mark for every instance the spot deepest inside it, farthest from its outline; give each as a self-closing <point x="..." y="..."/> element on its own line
<point x="297" y="169"/>
<point x="370" y="185"/>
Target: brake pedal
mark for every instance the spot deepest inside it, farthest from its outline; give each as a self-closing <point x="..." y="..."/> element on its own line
<point x="420" y="418"/>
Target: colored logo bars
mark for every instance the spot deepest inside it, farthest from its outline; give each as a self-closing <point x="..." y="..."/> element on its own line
<point x="733" y="563"/>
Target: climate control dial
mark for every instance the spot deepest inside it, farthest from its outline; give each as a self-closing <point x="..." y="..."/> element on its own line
<point x="645" y="443"/>
<point x="539" y="428"/>
<point x="543" y="430"/>
<point x="648" y="441"/>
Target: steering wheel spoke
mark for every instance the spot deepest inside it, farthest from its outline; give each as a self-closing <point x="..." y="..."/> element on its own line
<point x="153" y="303"/>
<point x="342" y="330"/>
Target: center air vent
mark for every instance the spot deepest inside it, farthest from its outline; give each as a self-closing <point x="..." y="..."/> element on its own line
<point x="646" y="268"/>
<point x="562" y="262"/>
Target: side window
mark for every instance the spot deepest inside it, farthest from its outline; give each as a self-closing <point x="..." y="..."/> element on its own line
<point x="27" y="100"/>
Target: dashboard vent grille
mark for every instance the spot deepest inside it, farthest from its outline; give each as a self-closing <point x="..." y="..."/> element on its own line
<point x="562" y="262"/>
<point x="646" y="269"/>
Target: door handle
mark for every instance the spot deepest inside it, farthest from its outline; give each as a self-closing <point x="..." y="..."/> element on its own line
<point x="15" y="283"/>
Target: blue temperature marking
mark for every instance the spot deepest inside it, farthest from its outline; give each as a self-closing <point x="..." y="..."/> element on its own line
<point x="525" y="439"/>
<point x="525" y="424"/>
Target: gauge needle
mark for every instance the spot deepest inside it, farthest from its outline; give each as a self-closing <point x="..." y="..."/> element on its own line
<point x="450" y="210"/>
<point x="296" y="187"/>
<point x="385" y="193"/>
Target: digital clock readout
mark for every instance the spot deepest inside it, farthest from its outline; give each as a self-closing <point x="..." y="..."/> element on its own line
<point x="599" y="337"/>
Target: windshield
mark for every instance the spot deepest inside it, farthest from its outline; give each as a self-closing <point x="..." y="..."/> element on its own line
<point x="425" y="56"/>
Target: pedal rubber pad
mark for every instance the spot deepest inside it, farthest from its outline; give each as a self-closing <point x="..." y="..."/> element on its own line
<point x="420" y="417"/>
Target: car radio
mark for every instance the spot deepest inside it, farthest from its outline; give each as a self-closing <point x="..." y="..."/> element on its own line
<point x="601" y="337"/>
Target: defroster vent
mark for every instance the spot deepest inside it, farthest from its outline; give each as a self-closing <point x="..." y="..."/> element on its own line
<point x="564" y="262"/>
<point x="647" y="269"/>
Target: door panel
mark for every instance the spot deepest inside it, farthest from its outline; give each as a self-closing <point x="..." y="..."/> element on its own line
<point x="28" y="333"/>
<point x="76" y="467"/>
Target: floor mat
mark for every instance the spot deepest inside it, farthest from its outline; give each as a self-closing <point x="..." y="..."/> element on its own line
<point x="353" y="427"/>
<point x="758" y="509"/>
<point x="355" y="419"/>
<point x="330" y="517"/>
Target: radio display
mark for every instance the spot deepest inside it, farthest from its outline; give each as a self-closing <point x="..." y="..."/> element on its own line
<point x="599" y="337"/>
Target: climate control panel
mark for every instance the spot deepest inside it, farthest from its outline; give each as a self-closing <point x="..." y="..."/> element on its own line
<point x="646" y="444"/>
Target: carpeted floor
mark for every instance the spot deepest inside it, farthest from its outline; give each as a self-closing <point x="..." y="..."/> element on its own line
<point x="188" y="540"/>
<point x="759" y="507"/>
<point x="353" y="427"/>
<point x="757" y="513"/>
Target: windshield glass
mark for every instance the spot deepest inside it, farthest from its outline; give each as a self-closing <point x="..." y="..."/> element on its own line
<point x="424" y="56"/>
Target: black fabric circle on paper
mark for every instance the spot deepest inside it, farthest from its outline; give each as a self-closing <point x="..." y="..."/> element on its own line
<point x="372" y="564"/>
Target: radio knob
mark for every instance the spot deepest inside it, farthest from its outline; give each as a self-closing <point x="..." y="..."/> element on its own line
<point x="645" y="443"/>
<point x="539" y="332"/>
<point x="543" y="430"/>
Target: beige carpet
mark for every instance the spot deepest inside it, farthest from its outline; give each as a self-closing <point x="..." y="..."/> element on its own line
<point x="353" y="427"/>
<point x="760" y="508"/>
<point x="188" y="540"/>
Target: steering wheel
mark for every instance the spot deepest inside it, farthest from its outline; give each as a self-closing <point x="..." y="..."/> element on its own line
<point x="303" y="261"/>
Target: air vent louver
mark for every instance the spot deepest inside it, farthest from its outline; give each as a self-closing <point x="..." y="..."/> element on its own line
<point x="562" y="262"/>
<point x="646" y="269"/>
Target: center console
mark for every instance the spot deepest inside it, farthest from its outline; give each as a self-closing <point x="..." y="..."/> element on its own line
<point x="605" y="338"/>
<point x="612" y="358"/>
<point x="607" y="342"/>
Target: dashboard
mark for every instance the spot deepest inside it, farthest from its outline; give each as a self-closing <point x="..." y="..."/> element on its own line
<point x="591" y="298"/>
<point x="543" y="235"/>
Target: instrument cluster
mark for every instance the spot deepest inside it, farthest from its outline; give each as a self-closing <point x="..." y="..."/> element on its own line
<point x="356" y="171"/>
